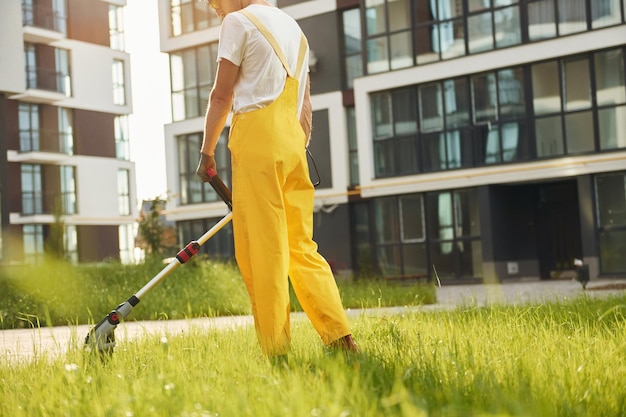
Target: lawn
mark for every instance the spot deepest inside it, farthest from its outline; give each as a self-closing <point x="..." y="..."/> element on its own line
<point x="566" y="358"/>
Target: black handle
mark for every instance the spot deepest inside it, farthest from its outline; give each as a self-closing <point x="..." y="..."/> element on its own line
<point x="220" y="188"/>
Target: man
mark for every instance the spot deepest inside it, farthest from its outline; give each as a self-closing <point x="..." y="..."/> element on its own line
<point x="263" y="76"/>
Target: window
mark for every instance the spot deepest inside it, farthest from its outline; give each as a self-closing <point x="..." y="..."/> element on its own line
<point x="55" y="137"/>
<point x="50" y="15"/>
<point x="353" y="147"/>
<point x="71" y="243"/>
<point x="388" y="29"/>
<point x="116" y="27"/>
<point x="66" y="131"/>
<point x="611" y="98"/>
<point x="395" y="124"/>
<point x="32" y="193"/>
<point x="52" y="76"/>
<point x="63" y="80"/>
<point x="453" y="223"/>
<point x="352" y="47"/>
<point x="605" y="13"/>
<point x="450" y="124"/>
<point x="28" y="119"/>
<point x="399" y="222"/>
<point x="563" y="105"/>
<point x="611" y="219"/>
<point x="192" y="73"/>
<point x="119" y="83"/>
<point x="123" y="191"/>
<point x="127" y="243"/>
<point x="395" y="34"/>
<point x="220" y="246"/>
<point x="32" y="235"/>
<point x="191" y="15"/>
<point x="68" y="189"/>
<point x="122" y="143"/>
<point x="415" y="231"/>
<point x="192" y="190"/>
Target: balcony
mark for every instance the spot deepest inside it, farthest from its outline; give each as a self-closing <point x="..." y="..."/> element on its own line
<point x="46" y="140"/>
<point x="44" y="85"/>
<point x="47" y="202"/>
<point x="43" y="24"/>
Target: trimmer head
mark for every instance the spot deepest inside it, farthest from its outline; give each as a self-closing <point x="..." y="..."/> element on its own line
<point x="101" y="339"/>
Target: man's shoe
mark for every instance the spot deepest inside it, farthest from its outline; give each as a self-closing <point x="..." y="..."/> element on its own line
<point x="346" y="344"/>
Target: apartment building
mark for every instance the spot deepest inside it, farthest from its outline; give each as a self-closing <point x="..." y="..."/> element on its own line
<point x="64" y="145"/>
<point x="467" y="140"/>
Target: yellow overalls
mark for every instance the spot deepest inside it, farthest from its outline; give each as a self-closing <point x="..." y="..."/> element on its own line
<point x="273" y="219"/>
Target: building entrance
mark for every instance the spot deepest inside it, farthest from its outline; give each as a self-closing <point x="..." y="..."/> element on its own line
<point x="557" y="227"/>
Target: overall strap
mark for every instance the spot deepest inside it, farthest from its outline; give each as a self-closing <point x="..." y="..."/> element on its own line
<point x="270" y="38"/>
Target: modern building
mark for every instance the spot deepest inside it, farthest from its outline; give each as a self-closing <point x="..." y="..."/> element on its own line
<point x="64" y="145"/>
<point x="465" y="140"/>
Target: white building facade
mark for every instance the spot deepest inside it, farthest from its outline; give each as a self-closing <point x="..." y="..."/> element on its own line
<point x="472" y="139"/>
<point x="64" y="105"/>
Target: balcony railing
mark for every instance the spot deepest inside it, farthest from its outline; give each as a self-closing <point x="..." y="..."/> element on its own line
<point x="48" y="79"/>
<point x="46" y="140"/>
<point x="44" y="17"/>
<point x="44" y="202"/>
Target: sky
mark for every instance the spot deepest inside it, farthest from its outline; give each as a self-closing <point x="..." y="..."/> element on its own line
<point x="149" y="73"/>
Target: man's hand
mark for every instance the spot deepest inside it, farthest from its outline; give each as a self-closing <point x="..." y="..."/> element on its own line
<point x="206" y="162"/>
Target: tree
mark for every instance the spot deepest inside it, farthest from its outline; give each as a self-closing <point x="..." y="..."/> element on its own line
<point x="151" y="228"/>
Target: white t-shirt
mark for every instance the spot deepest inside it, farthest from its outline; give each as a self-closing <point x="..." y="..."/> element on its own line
<point x="261" y="74"/>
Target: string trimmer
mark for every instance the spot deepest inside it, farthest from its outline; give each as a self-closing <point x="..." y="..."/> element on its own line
<point x="101" y="338"/>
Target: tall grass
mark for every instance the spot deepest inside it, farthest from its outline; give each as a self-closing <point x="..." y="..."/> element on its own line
<point x="561" y="359"/>
<point x="57" y="293"/>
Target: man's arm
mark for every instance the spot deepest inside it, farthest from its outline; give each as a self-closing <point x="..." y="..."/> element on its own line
<point x="220" y="103"/>
<point x="306" y="116"/>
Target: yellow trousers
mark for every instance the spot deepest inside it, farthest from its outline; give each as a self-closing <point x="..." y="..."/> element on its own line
<point x="273" y="225"/>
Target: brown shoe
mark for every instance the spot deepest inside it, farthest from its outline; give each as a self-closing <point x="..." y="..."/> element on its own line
<point x="345" y="344"/>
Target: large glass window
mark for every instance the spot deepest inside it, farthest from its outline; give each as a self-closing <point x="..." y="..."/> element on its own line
<point x="611" y="218"/>
<point x="32" y="236"/>
<point x="611" y="97"/>
<point x="401" y="236"/>
<point x="454" y="233"/>
<point x="416" y="233"/>
<point x="68" y="189"/>
<point x="353" y="59"/>
<point x="191" y="15"/>
<point x="66" y="131"/>
<point x="70" y="242"/>
<point x="394" y="34"/>
<point x="123" y="191"/>
<point x="192" y="73"/>
<point x="32" y="192"/>
<point x="119" y="82"/>
<point x="63" y="79"/>
<point x="116" y="27"/>
<point x="353" y="147"/>
<point x="28" y="120"/>
<point x="122" y="142"/>
<point x="395" y="124"/>
<point x="192" y="190"/>
<point x="51" y="77"/>
<point x="126" y="243"/>
<point x="388" y="29"/>
<point x="605" y="13"/>
<point x="220" y="246"/>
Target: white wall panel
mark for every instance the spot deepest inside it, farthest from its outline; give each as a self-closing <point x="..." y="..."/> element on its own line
<point x="11" y="47"/>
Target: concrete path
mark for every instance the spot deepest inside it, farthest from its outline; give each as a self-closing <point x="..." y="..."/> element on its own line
<point x="25" y="344"/>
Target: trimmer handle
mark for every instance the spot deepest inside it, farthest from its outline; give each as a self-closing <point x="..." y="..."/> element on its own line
<point x="220" y="188"/>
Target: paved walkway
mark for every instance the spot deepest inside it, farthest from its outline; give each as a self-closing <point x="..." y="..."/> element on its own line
<point x="23" y="344"/>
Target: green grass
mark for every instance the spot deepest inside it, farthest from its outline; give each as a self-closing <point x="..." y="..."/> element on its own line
<point x="55" y="294"/>
<point x="560" y="359"/>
